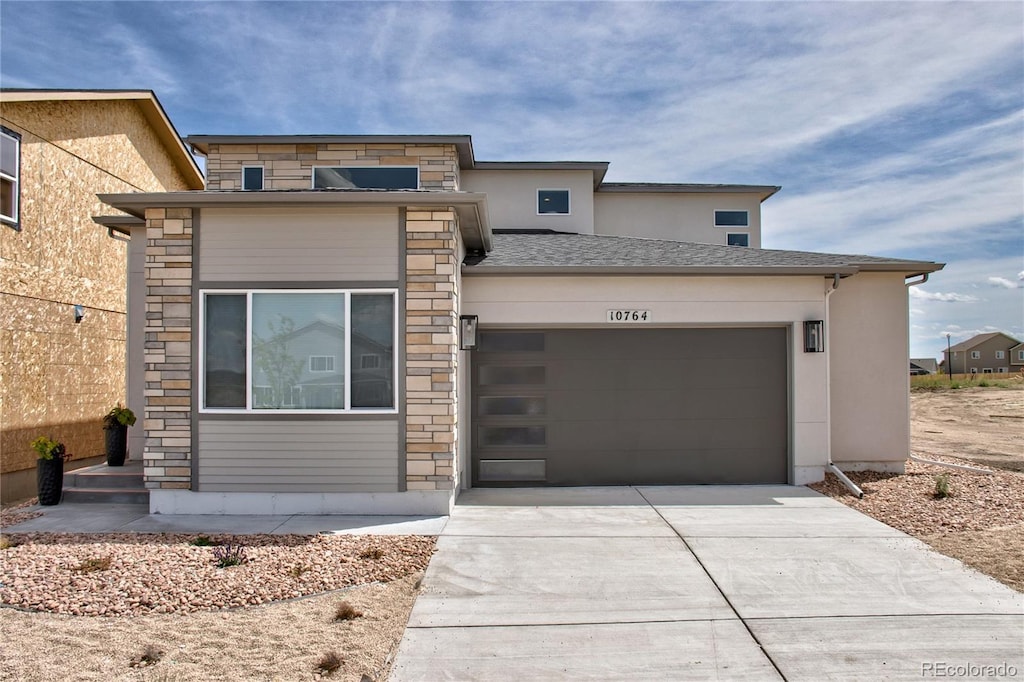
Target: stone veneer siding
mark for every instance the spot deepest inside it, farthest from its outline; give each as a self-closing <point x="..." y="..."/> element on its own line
<point x="431" y="346"/>
<point x="168" y="349"/>
<point x="290" y="166"/>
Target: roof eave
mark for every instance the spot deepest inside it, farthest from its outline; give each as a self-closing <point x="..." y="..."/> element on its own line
<point x="471" y="207"/>
<point x="633" y="270"/>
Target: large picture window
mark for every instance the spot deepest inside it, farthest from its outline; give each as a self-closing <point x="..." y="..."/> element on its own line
<point x="366" y="177"/>
<point x="301" y="351"/>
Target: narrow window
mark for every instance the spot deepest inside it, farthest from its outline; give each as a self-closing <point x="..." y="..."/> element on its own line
<point x="1020" y="355"/>
<point x="738" y="239"/>
<point x="369" y="177"/>
<point x="224" y="342"/>
<point x="10" y="170"/>
<point x="732" y="218"/>
<point x="553" y="202"/>
<point x="975" y="355"/>
<point x="252" y="178"/>
<point x="373" y="350"/>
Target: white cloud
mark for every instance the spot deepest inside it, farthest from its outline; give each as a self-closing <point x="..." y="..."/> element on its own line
<point x="938" y="296"/>
<point x="1005" y="283"/>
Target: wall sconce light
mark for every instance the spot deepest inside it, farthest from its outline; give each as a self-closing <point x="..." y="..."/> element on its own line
<point x="79" y="313"/>
<point x="814" y="336"/>
<point x="467" y="332"/>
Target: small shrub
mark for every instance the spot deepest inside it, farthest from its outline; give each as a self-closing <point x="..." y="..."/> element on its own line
<point x="346" y="611"/>
<point x="298" y="570"/>
<point x="229" y="555"/>
<point x="941" y="487"/>
<point x="329" y="662"/>
<point x="149" y="656"/>
<point x="93" y="564"/>
<point x="7" y="543"/>
<point x="372" y="553"/>
<point x="202" y="541"/>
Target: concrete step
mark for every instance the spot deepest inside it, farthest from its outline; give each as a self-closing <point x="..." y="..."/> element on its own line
<point x="103" y="476"/>
<point x="106" y="484"/>
<point x="106" y="495"/>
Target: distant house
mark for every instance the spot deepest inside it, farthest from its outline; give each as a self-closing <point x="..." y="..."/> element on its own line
<point x="1017" y="357"/>
<point x="992" y="353"/>
<point x="920" y="366"/>
<point x="63" y="291"/>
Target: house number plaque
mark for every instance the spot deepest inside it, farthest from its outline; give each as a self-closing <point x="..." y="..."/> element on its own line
<point x="629" y="315"/>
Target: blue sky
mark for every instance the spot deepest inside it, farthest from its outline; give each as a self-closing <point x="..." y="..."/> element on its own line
<point x="894" y="128"/>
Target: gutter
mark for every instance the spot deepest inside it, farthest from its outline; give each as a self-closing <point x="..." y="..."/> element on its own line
<point x="632" y="270"/>
<point x="828" y="394"/>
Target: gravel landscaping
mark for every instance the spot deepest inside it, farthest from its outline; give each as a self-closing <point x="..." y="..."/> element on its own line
<point x="981" y="522"/>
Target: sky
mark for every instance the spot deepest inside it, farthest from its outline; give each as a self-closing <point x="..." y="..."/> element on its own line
<point x="894" y="128"/>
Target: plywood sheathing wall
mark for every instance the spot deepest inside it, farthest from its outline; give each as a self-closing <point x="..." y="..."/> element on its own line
<point x="58" y="377"/>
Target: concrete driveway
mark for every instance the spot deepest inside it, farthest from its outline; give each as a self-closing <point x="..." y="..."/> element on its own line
<point x="724" y="583"/>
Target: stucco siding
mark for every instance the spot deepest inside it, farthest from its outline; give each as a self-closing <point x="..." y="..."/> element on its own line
<point x="681" y="217"/>
<point x="582" y="302"/>
<point x="297" y="456"/>
<point x="869" y="343"/>
<point x="312" y="244"/>
<point x="512" y="198"/>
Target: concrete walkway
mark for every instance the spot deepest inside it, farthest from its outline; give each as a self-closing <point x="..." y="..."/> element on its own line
<point x="724" y="583"/>
<point x="135" y="518"/>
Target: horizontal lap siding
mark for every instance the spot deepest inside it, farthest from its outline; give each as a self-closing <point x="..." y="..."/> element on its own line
<point x="275" y="245"/>
<point x="298" y="456"/>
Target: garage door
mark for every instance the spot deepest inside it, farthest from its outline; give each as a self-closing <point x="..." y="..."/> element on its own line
<point x="630" y="407"/>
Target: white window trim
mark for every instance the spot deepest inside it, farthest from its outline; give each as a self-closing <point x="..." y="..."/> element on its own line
<point x="975" y="355"/>
<point x="986" y="370"/>
<point x="1020" y="355"/>
<point x="263" y="178"/>
<point x="974" y="370"/>
<point x="568" y="198"/>
<point x="15" y="180"/>
<point x="333" y="363"/>
<point x="730" y="234"/>
<point x="1002" y="370"/>
<point x="248" y="409"/>
<point x="1000" y="354"/>
<point x="364" y="356"/>
<point x="312" y="173"/>
<point x="731" y="210"/>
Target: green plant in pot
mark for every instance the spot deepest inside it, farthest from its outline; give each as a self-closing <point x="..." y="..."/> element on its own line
<point x="49" y="469"/>
<point x="115" y="426"/>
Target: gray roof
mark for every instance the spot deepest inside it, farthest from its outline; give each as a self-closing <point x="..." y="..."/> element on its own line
<point x="979" y="339"/>
<point x="929" y="364"/>
<point x="528" y="252"/>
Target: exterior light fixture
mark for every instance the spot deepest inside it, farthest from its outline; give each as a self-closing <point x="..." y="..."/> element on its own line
<point x="467" y="332"/>
<point x="79" y="313"/>
<point x="814" y="336"/>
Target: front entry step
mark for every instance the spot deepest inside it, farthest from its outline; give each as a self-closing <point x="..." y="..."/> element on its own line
<point x="105" y="484"/>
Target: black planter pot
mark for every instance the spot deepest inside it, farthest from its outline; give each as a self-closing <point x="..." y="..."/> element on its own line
<point x="49" y="480"/>
<point x="117" y="445"/>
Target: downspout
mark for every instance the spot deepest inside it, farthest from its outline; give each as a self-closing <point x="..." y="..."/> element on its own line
<point x="914" y="283"/>
<point x="828" y="396"/>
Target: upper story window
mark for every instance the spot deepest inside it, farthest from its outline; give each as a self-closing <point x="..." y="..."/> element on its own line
<point x="552" y="202"/>
<point x="252" y="178"/>
<point x="1020" y="355"/>
<point x="1000" y="354"/>
<point x="737" y="239"/>
<point x="975" y="355"/>
<point x="298" y="350"/>
<point x="10" y="170"/>
<point x="732" y="218"/>
<point x="366" y="177"/>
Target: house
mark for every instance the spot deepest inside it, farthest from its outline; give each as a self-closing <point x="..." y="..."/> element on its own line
<point x="1017" y="357"/>
<point x="63" y="277"/>
<point x="991" y="353"/>
<point x="534" y="324"/>
<point x="920" y="366"/>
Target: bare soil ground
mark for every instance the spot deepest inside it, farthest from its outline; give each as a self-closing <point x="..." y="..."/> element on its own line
<point x="983" y="425"/>
<point x="982" y="521"/>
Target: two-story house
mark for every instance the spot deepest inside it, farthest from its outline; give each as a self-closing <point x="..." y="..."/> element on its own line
<point x="991" y="353"/>
<point x="531" y="325"/>
<point x="62" y="276"/>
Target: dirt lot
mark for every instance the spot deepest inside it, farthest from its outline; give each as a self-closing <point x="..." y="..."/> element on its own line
<point x="984" y="425"/>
